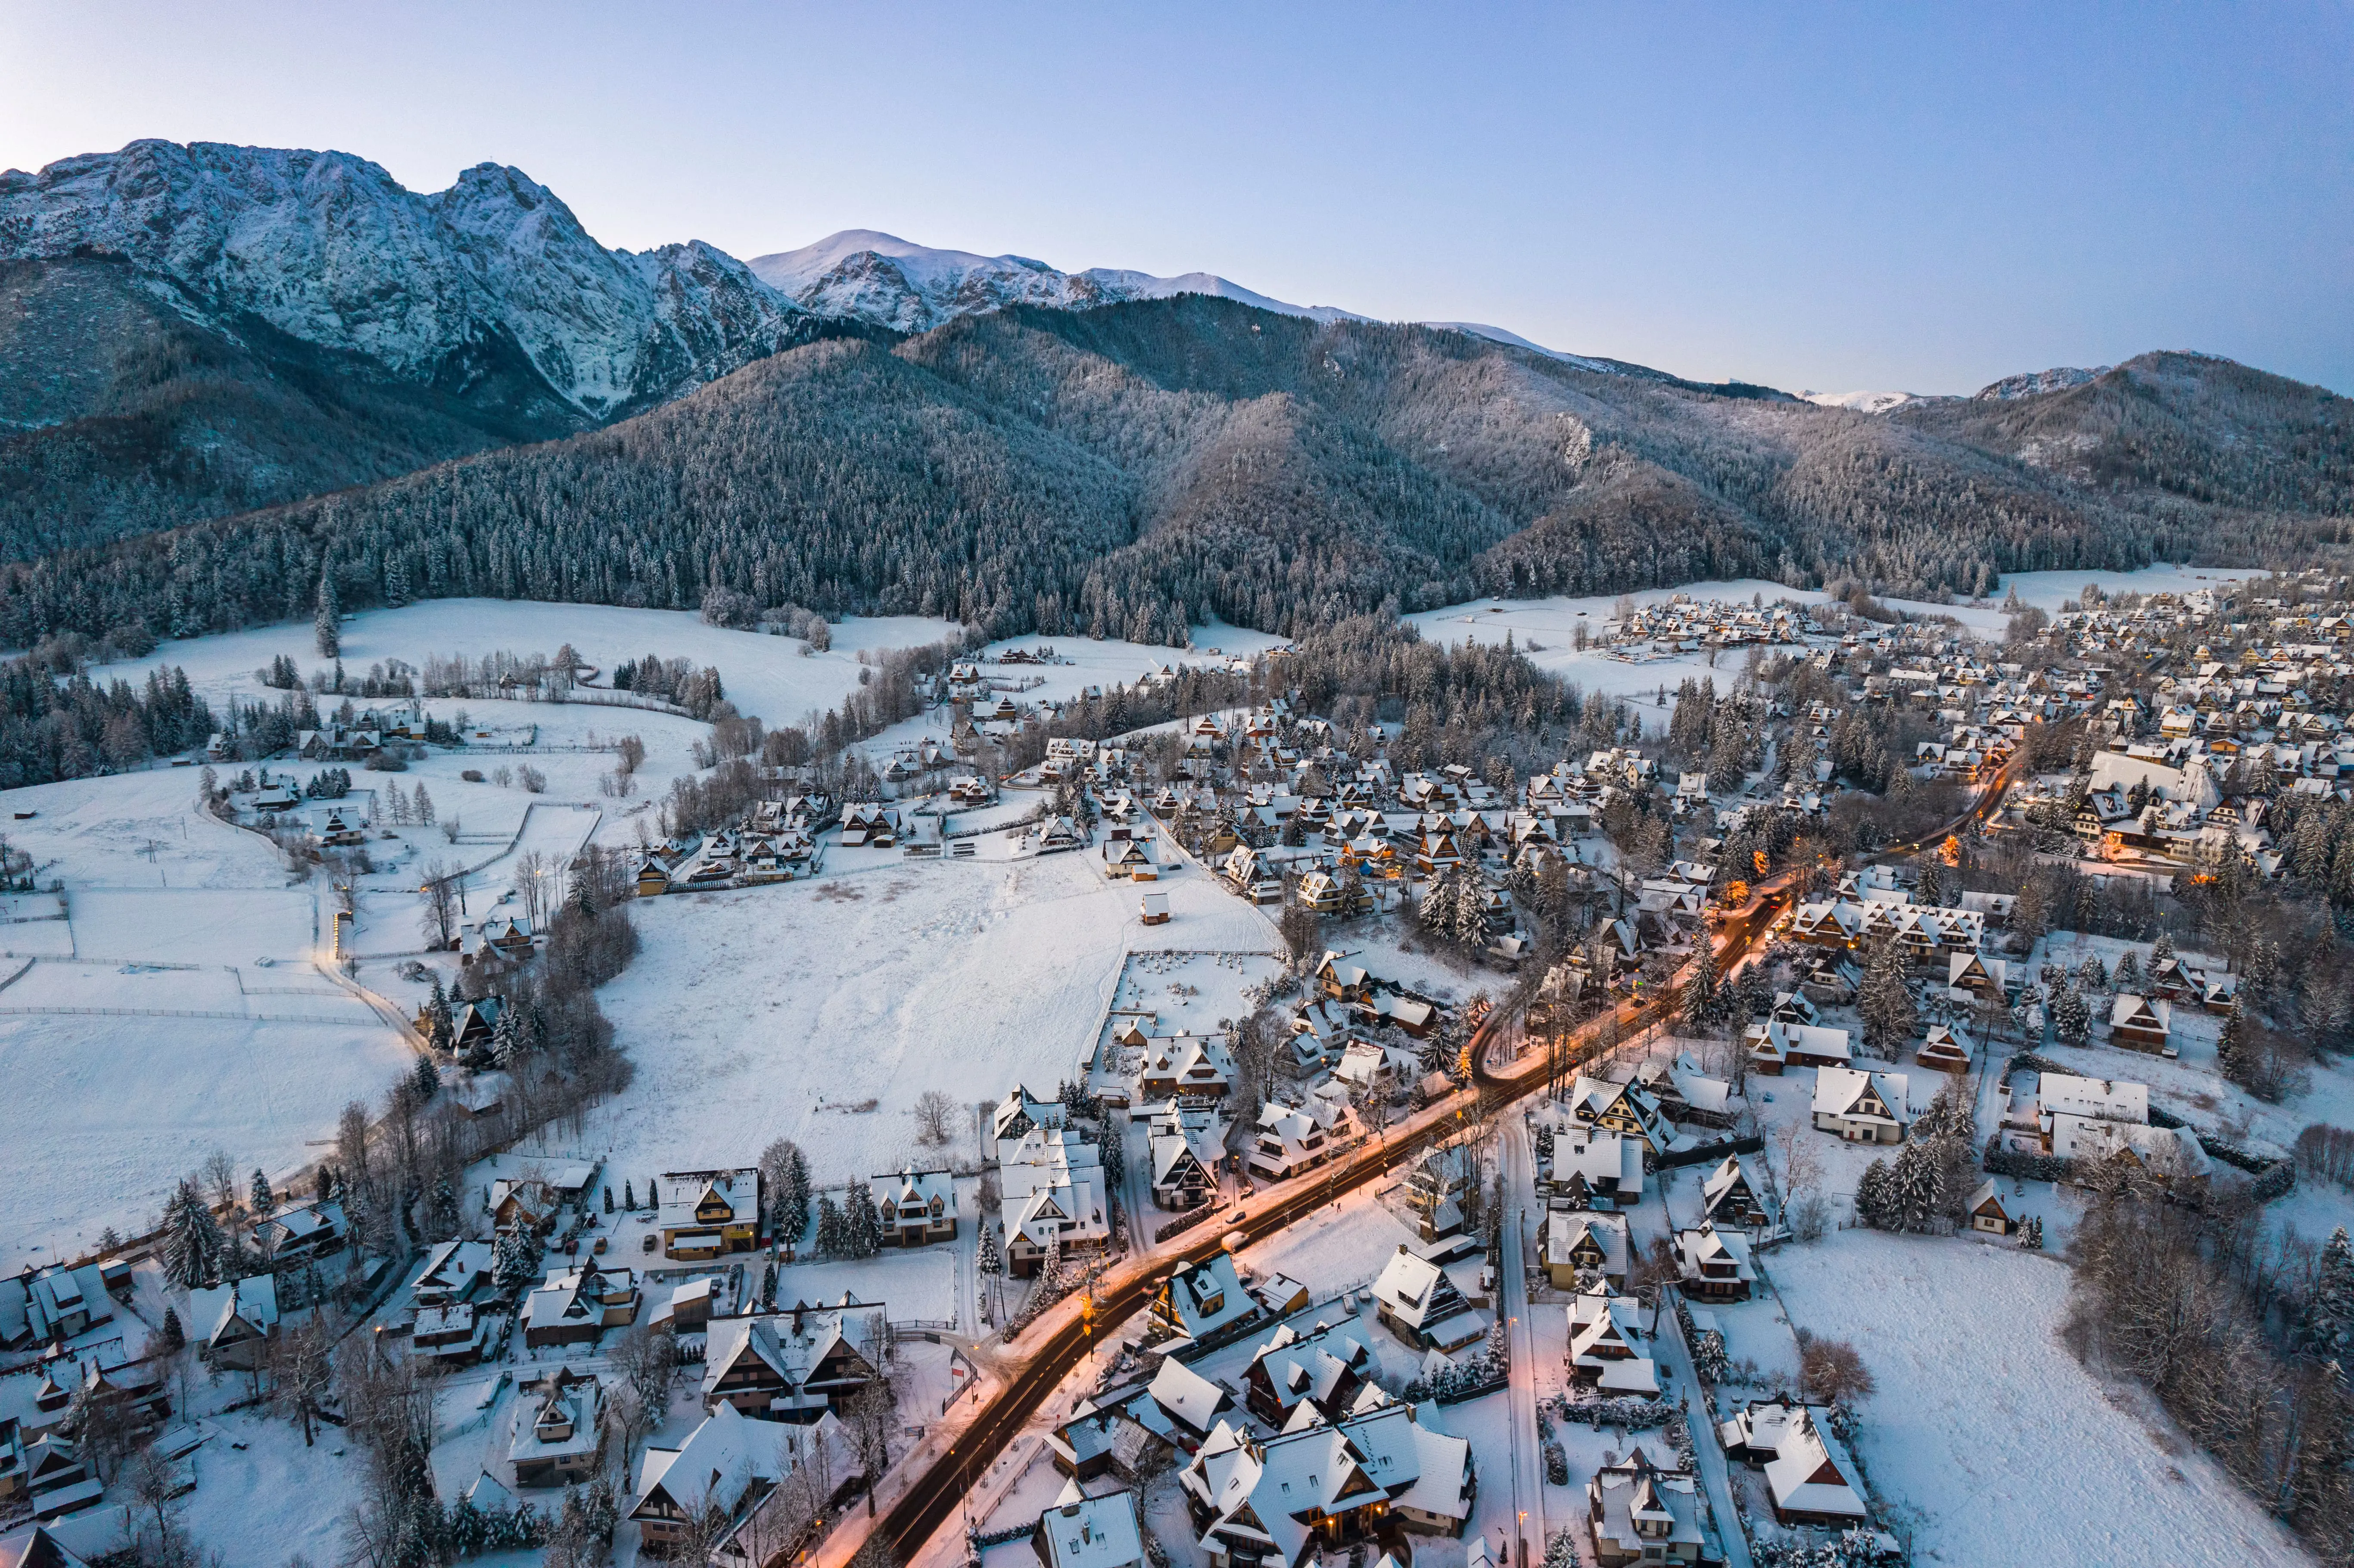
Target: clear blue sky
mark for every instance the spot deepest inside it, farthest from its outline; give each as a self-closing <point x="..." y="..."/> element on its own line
<point x="1917" y="197"/>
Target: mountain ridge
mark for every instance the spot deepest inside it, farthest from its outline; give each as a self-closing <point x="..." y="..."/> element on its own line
<point x="1128" y="470"/>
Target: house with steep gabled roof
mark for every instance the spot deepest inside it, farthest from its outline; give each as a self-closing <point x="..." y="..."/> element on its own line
<point x="1204" y="1298"/>
<point x="793" y="1364"/>
<point x="1322" y="1369"/>
<point x="1861" y="1107"/>
<point x="1714" y="1264"/>
<point x="1809" y="1475"/>
<point x="232" y="1324"/>
<point x="917" y="1207"/>
<point x="1277" y="1502"/>
<point x="1729" y="1197"/>
<point x="1584" y="1243"/>
<point x="1418" y="1303"/>
<point x="2138" y="1024"/>
<point x="1608" y="1348"/>
<point x="1640" y="1512"/>
<point x="710" y="1213"/>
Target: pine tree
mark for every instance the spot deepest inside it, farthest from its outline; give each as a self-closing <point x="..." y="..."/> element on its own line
<point x="2163" y="949"/>
<point x="192" y="1240"/>
<point x="422" y="805"/>
<point x="2128" y="975"/>
<point x="2071" y="1019"/>
<point x="861" y="1226"/>
<point x="2234" y="1056"/>
<point x="608" y="1197"/>
<point x="831" y="1239"/>
<point x="258" y="1196"/>
<point x="324" y="628"/>
<point x="1918" y="1187"/>
<point x="443" y="1215"/>
<point x="2327" y="1324"/>
<point x="1701" y="1004"/>
<point x="427" y="1079"/>
<point x="629" y="1196"/>
<point x="1885" y="1003"/>
<point x="1875" y="1202"/>
<point x="793" y="1203"/>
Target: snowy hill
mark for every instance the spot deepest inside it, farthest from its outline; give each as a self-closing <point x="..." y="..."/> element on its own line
<point x="1862" y="402"/>
<point x="880" y="278"/>
<point x="2029" y="383"/>
<point x="330" y="250"/>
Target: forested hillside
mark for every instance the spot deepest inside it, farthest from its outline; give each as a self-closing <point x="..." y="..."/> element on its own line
<point x="1127" y="468"/>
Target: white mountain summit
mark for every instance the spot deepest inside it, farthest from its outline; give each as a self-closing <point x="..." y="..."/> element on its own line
<point x="880" y="278"/>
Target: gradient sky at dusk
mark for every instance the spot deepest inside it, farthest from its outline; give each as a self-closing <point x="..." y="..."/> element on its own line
<point x="1912" y="197"/>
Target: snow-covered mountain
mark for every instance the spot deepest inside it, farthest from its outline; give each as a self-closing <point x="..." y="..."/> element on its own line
<point x="2029" y="383"/>
<point x="1862" y="402"/>
<point x="880" y="278"/>
<point x="331" y="249"/>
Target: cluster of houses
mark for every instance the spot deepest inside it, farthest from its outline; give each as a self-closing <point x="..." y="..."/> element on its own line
<point x="775" y="841"/>
<point x="1299" y="1452"/>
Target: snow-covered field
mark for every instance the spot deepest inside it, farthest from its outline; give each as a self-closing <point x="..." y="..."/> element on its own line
<point x="2010" y="1450"/>
<point x="784" y="1011"/>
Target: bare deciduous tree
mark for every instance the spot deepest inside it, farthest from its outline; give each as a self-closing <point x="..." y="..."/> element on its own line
<point x="934" y="1113"/>
<point x="1830" y="1371"/>
<point x="441" y="915"/>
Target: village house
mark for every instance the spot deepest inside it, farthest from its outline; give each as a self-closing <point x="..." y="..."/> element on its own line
<point x="1081" y="1531"/>
<point x="1186" y="1063"/>
<point x="1322" y="1370"/>
<point x="2140" y="1023"/>
<point x="578" y="1304"/>
<point x="295" y="1237"/>
<point x="1183" y="1146"/>
<point x="1280" y="1500"/>
<point x="710" y="1213"/>
<point x="559" y="1436"/>
<point x="1417" y="1302"/>
<point x="1861" y="1107"/>
<point x="792" y="1365"/>
<point x="1591" y="1168"/>
<point x="1944" y="1049"/>
<point x="1639" y="1512"/>
<point x="1203" y="1299"/>
<point x="917" y="1207"/>
<point x="1808" y="1475"/>
<point x="448" y="1336"/>
<point x="232" y="1324"/>
<point x="1608" y="1350"/>
<point x="49" y="1306"/>
<point x="1595" y="1245"/>
<point x="1051" y="1191"/>
<point x="1774" y="1045"/>
<point x="1436" y="1189"/>
<point x="1988" y="1212"/>
<point x="453" y="1271"/>
<point x="1623" y="1108"/>
<point x="1713" y="1263"/>
<point x="1291" y="1140"/>
<point x="1729" y="1197"/>
<point x="731" y="1465"/>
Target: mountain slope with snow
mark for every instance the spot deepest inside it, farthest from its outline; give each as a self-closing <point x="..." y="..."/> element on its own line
<point x="330" y="250"/>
